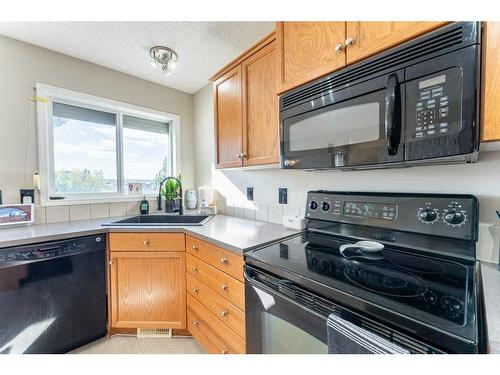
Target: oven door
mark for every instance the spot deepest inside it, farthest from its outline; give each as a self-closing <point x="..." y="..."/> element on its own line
<point x="357" y="126"/>
<point x="275" y="324"/>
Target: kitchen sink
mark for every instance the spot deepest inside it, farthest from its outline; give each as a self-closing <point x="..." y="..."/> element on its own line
<point x="162" y="220"/>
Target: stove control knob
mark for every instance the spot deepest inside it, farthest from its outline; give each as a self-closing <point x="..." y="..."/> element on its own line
<point x="453" y="217"/>
<point x="427" y="215"/>
<point x="325" y="206"/>
<point x="313" y="205"/>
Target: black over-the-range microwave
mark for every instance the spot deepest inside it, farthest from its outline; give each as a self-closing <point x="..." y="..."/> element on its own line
<point x="417" y="103"/>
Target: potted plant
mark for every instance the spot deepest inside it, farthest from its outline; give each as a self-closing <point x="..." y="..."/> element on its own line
<point x="170" y="192"/>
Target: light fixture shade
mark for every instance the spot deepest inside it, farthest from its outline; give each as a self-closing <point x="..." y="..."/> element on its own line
<point x="164" y="57"/>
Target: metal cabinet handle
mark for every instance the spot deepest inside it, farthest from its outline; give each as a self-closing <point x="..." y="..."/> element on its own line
<point x="195" y="269"/>
<point x="196" y="322"/>
<point x="225" y="351"/>
<point x="223" y="261"/>
<point x="195" y="290"/>
<point x="339" y="47"/>
<point x="223" y="287"/>
<point x="224" y="313"/>
<point x="195" y="248"/>
<point x="349" y="41"/>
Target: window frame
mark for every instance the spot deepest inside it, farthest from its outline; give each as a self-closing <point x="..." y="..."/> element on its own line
<point x="46" y="95"/>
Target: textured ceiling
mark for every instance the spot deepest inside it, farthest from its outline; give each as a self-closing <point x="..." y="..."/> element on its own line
<point x="203" y="47"/>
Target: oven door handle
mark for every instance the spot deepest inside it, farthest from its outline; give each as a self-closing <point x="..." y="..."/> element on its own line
<point x="271" y="291"/>
<point x="392" y="114"/>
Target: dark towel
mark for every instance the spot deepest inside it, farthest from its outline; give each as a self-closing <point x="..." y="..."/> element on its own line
<point x="347" y="338"/>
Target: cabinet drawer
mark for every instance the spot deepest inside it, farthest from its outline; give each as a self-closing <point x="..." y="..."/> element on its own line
<point x="224" y="285"/>
<point x="224" y="260"/>
<point x="214" y="336"/>
<point x="229" y="314"/>
<point x="146" y="242"/>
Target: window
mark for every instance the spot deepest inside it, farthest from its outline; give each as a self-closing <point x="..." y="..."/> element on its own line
<point x="94" y="149"/>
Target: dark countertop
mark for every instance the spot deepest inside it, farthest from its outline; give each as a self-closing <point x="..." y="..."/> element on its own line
<point x="235" y="234"/>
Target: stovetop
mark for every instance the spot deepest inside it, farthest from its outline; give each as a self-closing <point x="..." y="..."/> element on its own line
<point x="432" y="291"/>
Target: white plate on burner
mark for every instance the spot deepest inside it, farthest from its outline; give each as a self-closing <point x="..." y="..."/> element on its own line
<point x="364" y="246"/>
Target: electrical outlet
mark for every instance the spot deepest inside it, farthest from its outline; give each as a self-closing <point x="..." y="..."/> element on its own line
<point x="283" y="195"/>
<point x="250" y="193"/>
<point x="28" y="194"/>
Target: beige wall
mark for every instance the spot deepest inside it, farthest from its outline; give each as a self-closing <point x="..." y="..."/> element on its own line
<point x="22" y="64"/>
<point x="481" y="179"/>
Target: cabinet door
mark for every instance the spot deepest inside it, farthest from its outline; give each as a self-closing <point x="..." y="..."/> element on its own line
<point x="228" y="119"/>
<point x="490" y="129"/>
<point x="369" y="38"/>
<point x="260" y="107"/>
<point x="148" y="290"/>
<point x="306" y="50"/>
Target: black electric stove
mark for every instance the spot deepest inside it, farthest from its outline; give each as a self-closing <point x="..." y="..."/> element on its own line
<point x="424" y="285"/>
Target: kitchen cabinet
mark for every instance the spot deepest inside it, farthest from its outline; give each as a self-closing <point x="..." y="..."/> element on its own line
<point x="308" y="50"/>
<point x="366" y="38"/>
<point x="490" y="129"/>
<point x="147" y="287"/>
<point x="215" y="297"/>
<point x="228" y="119"/>
<point x="246" y="108"/>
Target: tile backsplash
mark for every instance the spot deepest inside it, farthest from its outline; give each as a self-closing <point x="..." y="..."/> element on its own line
<point x="59" y="214"/>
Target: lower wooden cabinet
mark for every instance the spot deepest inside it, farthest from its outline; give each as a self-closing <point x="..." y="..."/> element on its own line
<point x="147" y="289"/>
<point x="213" y="335"/>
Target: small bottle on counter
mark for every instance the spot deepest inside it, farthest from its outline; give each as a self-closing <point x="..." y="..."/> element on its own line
<point x="144" y="206"/>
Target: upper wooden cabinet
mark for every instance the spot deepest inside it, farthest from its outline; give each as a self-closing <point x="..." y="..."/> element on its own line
<point x="260" y="107"/>
<point x="307" y="50"/>
<point x="228" y="119"/>
<point x="365" y="38"/>
<point x="246" y="108"/>
<point x="490" y="129"/>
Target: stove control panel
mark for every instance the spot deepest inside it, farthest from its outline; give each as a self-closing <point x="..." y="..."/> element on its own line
<point x="444" y="215"/>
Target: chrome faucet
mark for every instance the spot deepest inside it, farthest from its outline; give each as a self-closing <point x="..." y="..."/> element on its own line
<point x="181" y="209"/>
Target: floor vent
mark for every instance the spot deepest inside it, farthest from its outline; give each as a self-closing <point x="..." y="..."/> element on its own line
<point x="154" y="332"/>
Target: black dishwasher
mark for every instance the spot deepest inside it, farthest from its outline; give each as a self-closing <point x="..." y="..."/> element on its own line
<point x="52" y="295"/>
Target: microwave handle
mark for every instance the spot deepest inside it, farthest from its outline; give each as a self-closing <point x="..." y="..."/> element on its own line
<point x="392" y="114"/>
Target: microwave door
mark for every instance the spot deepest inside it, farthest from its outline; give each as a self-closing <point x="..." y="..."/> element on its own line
<point x="357" y="127"/>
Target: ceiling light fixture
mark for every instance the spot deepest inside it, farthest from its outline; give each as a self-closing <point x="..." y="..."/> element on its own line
<point x="164" y="57"/>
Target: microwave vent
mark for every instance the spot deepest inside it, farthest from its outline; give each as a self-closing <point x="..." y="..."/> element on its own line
<point x="420" y="49"/>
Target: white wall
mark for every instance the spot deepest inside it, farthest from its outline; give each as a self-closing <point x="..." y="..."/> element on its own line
<point x="22" y="64"/>
<point x="481" y="179"/>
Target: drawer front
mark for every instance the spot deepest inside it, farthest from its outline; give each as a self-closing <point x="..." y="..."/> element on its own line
<point x="227" y="313"/>
<point x="224" y="260"/>
<point x="224" y="285"/>
<point x="142" y="241"/>
<point x="213" y="335"/>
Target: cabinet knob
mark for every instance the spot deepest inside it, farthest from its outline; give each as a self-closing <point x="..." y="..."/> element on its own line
<point x="239" y="156"/>
<point x="224" y="313"/>
<point x="223" y="287"/>
<point x="223" y="260"/>
<point x="195" y="290"/>
<point x="225" y="351"/>
<point x="339" y="47"/>
<point x="349" y="42"/>
<point x="146" y="242"/>
<point x="196" y="322"/>
<point x="243" y="156"/>
<point x="195" y="248"/>
<point x="110" y="262"/>
<point x="195" y="269"/>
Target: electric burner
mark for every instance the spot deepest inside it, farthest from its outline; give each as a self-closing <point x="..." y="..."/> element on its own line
<point x="386" y="281"/>
<point x="424" y="282"/>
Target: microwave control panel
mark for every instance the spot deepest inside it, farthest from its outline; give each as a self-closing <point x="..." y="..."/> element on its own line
<point x="433" y="114"/>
